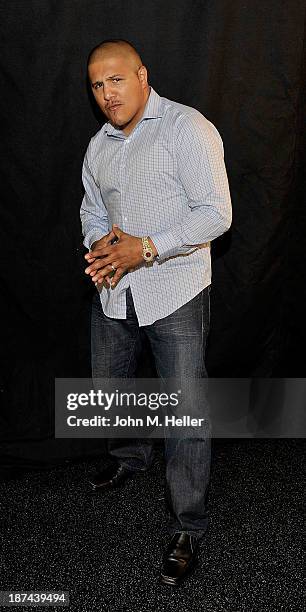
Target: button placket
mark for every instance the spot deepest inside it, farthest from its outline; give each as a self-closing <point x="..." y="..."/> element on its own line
<point x="123" y="182"/>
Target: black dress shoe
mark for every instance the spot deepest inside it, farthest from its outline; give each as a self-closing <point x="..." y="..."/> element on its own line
<point x="179" y="558"/>
<point x="110" y="478"/>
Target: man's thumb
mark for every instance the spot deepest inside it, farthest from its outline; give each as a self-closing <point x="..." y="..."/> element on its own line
<point x="116" y="229"/>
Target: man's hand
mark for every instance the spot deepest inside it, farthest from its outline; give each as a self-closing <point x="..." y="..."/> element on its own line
<point x="98" y="244"/>
<point x="104" y="241"/>
<point x="123" y="255"/>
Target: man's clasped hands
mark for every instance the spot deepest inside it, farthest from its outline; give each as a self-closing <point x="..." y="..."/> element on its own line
<point x="113" y="255"/>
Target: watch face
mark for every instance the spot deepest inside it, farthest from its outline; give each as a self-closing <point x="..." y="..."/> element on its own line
<point x="148" y="255"/>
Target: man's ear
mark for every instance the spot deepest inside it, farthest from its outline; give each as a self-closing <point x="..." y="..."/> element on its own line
<point x="143" y="75"/>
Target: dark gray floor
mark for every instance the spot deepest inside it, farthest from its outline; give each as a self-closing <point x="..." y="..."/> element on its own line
<point x="106" y="549"/>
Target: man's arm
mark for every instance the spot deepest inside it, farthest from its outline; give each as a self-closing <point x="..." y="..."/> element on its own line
<point x="201" y="170"/>
<point x="93" y="213"/>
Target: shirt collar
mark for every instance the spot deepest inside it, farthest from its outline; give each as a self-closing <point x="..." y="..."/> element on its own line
<point x="153" y="110"/>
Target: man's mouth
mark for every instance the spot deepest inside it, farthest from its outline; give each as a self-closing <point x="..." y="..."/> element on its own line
<point x="113" y="107"/>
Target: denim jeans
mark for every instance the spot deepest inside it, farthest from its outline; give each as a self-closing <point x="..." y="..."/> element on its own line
<point x="178" y="345"/>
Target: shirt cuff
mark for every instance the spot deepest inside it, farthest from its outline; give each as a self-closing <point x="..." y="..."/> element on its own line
<point x="166" y="244"/>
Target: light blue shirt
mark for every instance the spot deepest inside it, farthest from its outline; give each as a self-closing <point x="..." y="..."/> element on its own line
<point x="167" y="180"/>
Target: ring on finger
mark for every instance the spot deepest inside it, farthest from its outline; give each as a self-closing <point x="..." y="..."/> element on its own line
<point x="113" y="267"/>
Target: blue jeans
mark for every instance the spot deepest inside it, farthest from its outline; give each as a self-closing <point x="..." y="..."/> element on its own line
<point x="178" y="345"/>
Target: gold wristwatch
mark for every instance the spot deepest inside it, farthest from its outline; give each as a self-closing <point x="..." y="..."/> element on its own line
<point x="147" y="251"/>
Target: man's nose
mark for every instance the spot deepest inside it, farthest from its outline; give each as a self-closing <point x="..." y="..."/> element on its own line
<point x="107" y="91"/>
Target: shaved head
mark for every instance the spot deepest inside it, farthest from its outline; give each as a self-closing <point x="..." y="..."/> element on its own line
<point x="115" y="48"/>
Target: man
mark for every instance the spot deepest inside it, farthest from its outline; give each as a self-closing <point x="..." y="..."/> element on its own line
<point x="156" y="194"/>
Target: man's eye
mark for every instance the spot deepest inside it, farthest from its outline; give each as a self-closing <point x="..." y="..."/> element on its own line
<point x="98" y="85"/>
<point x="116" y="80"/>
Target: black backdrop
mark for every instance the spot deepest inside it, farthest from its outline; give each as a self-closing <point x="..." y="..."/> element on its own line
<point x="241" y="64"/>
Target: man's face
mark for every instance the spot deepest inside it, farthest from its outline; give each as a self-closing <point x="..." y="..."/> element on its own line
<point x="120" y="89"/>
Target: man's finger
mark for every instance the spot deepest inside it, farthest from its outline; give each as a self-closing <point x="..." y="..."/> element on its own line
<point x="116" y="278"/>
<point x="100" y="263"/>
<point x="93" y="267"/>
<point x="117" y="231"/>
<point x="102" y="251"/>
<point x="103" y="242"/>
<point x="102" y="273"/>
